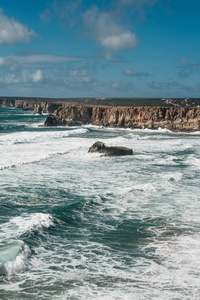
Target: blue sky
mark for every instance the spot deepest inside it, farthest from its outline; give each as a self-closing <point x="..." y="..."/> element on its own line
<point x="113" y="48"/>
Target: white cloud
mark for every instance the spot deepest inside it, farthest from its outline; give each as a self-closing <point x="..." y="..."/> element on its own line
<point x="24" y="77"/>
<point x="138" y="2"/>
<point x="123" y="86"/>
<point x="11" y="31"/>
<point x="2" y="61"/>
<point x="38" y="76"/>
<point x="45" y="16"/>
<point x="8" y="64"/>
<point x="108" y="34"/>
<point x="63" y="10"/>
<point x="163" y="85"/>
<point x="134" y="73"/>
<point x="115" y="85"/>
<point x="182" y="61"/>
<point x="119" y="41"/>
<point x="78" y="73"/>
<point x="83" y="83"/>
<point x="82" y="77"/>
<point x="37" y="60"/>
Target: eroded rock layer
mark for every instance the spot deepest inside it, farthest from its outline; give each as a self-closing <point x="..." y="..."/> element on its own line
<point x="37" y="107"/>
<point x="7" y="102"/>
<point x="173" y="118"/>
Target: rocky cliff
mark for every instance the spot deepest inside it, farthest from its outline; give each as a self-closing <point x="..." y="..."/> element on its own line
<point x="7" y="102"/>
<point x="37" y="107"/>
<point x="174" y="118"/>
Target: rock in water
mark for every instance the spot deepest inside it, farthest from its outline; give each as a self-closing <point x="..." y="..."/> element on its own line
<point x="110" y="151"/>
<point x="50" y="121"/>
<point x="97" y="147"/>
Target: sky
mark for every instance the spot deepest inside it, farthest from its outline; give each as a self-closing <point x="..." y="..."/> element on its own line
<point x="103" y="48"/>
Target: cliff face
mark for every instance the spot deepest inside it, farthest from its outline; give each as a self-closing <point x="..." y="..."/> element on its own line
<point x="37" y="107"/>
<point x="25" y="105"/>
<point x="7" y="102"/>
<point x="46" y="107"/>
<point x="173" y="118"/>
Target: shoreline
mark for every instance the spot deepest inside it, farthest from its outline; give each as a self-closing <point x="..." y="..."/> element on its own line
<point x="174" y="118"/>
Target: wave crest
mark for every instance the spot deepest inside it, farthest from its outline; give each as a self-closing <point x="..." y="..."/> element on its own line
<point x="15" y="258"/>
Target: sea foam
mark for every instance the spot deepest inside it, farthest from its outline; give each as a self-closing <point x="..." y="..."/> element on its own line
<point x="24" y="224"/>
<point x="14" y="258"/>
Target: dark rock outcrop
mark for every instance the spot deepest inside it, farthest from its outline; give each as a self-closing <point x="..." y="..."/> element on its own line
<point x="100" y="147"/>
<point x="52" y="121"/>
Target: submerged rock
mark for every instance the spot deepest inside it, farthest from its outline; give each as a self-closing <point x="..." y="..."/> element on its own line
<point x="100" y="147"/>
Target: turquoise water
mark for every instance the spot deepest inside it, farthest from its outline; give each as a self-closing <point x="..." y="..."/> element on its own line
<point x="76" y="225"/>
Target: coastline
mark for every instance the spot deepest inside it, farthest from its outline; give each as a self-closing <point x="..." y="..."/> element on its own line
<point x="175" y="118"/>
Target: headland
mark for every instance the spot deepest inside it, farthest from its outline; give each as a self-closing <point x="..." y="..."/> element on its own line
<point x="174" y="114"/>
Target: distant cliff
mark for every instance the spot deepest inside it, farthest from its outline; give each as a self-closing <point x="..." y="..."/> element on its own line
<point x="173" y="118"/>
<point x="7" y="102"/>
<point x="37" y="107"/>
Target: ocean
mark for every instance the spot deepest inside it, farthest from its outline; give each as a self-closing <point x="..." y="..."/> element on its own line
<point x="78" y="225"/>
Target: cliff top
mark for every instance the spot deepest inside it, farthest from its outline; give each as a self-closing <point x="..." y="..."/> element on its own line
<point x="136" y="102"/>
